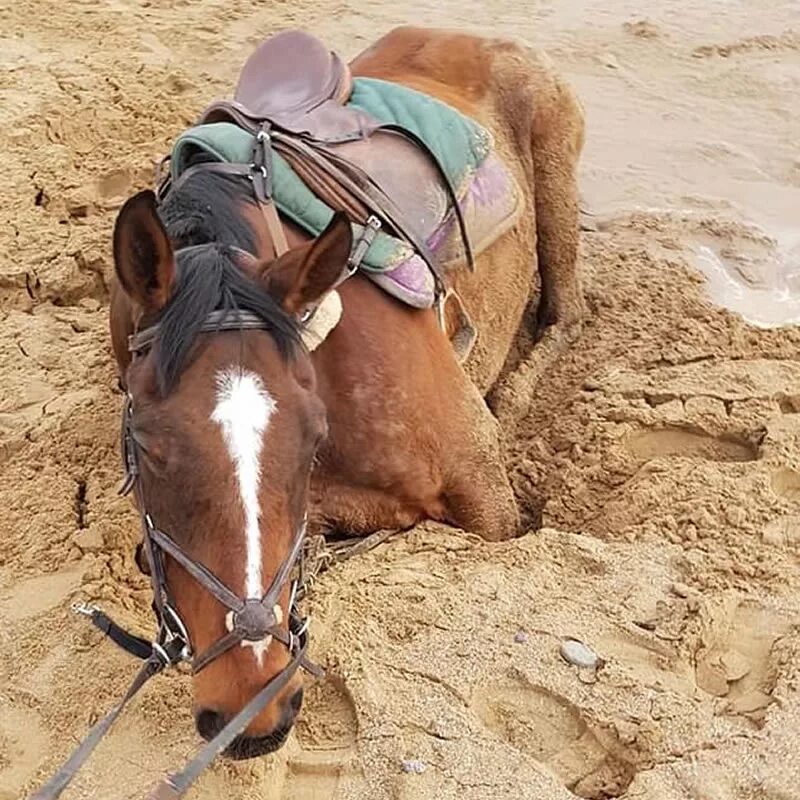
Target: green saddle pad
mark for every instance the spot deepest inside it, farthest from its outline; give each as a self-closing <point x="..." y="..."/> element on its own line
<point x="459" y="144"/>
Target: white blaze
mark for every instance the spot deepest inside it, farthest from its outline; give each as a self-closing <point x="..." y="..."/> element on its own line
<point x="243" y="411"/>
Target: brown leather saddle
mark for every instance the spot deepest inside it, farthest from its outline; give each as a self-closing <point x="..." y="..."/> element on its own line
<point x="292" y="95"/>
<point x="297" y="84"/>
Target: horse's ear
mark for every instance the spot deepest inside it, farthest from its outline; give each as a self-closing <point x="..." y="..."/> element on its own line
<point x="304" y="274"/>
<point x="143" y="257"/>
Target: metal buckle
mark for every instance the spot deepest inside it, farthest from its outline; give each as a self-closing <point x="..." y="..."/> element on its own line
<point x="373" y="225"/>
<point x="256" y="168"/>
<point x="172" y="630"/>
<point x="162" y="654"/>
<point x="292" y="597"/>
<point x="303" y="629"/>
<point x="84" y="608"/>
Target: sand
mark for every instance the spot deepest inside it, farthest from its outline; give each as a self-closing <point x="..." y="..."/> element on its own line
<point x="658" y="461"/>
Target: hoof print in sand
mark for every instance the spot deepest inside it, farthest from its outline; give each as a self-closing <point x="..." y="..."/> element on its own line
<point x="677" y="442"/>
<point x="587" y="758"/>
<point x="734" y="658"/>
<point x="326" y="735"/>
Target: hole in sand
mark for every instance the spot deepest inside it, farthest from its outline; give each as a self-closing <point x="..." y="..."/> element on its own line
<point x="734" y="658"/>
<point x="676" y="442"/>
<point x="80" y="504"/>
<point x="328" y="718"/>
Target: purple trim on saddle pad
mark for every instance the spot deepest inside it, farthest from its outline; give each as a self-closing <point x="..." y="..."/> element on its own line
<point x="490" y="199"/>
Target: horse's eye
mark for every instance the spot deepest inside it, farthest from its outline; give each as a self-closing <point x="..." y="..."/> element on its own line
<point x="151" y="448"/>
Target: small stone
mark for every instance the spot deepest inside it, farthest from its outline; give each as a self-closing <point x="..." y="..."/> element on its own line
<point x="444" y="729"/>
<point x="520" y="637"/>
<point x="92" y="303"/>
<point x="90" y="540"/>
<point x="414" y="766"/>
<point x="577" y="653"/>
<point x="680" y="589"/>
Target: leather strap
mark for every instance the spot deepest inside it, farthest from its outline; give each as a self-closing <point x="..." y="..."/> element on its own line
<point x="276" y="232"/>
<point x="135" y="645"/>
<point x="216" y="321"/>
<point x="201" y="574"/>
<point x="451" y="192"/>
<point x="362" y="187"/>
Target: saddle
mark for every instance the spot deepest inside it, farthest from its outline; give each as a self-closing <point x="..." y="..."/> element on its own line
<point x="295" y="82"/>
<point x="291" y="95"/>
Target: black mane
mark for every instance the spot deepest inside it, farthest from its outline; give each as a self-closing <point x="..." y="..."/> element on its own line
<point x="206" y="210"/>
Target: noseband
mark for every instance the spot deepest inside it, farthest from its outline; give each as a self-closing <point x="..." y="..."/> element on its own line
<point x="248" y="619"/>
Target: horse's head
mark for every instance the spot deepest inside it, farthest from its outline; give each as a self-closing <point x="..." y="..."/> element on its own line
<point x="225" y="425"/>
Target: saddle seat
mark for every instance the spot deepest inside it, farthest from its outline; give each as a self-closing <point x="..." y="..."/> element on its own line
<point x="298" y="85"/>
<point x="271" y="82"/>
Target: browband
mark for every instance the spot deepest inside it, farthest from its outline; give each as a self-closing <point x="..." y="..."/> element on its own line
<point x="221" y="320"/>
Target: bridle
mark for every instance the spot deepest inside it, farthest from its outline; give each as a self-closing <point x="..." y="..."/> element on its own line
<point x="248" y="619"/>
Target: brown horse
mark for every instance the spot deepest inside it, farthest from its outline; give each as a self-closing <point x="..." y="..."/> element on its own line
<point x="242" y="433"/>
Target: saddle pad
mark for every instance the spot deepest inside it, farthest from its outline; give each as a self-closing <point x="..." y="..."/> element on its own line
<point x="486" y="191"/>
<point x="459" y="143"/>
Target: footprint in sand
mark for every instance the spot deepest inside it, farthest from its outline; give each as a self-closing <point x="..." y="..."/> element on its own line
<point x="734" y="656"/>
<point x="326" y="735"/>
<point x="553" y="731"/>
<point x="689" y="444"/>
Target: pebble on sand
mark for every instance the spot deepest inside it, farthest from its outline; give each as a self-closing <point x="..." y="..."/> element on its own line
<point x="579" y="654"/>
<point x="414" y="766"/>
<point x="520" y="637"/>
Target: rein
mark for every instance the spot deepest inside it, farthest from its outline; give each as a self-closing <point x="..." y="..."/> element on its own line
<point x="248" y="620"/>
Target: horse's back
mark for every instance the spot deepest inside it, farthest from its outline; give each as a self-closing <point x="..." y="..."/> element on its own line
<point x="514" y="91"/>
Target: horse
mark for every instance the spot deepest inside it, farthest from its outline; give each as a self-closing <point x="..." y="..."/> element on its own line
<point x="244" y="436"/>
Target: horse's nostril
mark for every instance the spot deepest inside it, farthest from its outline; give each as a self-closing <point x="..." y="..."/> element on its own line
<point x="209" y="723"/>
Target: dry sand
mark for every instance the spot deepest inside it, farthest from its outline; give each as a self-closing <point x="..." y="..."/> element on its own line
<point x="661" y="456"/>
